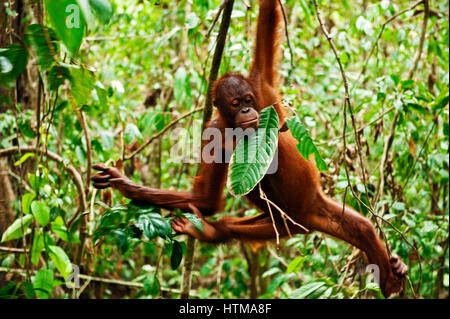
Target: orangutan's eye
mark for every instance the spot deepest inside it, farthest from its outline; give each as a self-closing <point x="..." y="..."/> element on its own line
<point x="248" y="99"/>
<point x="235" y="103"/>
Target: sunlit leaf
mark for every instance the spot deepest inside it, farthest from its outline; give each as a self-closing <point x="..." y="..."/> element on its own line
<point x="41" y="212"/>
<point x="61" y="260"/>
<point x="15" y="230"/>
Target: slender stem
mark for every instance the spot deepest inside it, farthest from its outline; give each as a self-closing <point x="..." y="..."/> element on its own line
<point x="164" y="130"/>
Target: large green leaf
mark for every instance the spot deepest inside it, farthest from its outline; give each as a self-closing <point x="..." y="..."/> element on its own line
<point x="68" y="21"/>
<point x="13" y="60"/>
<point x="305" y="144"/>
<point x="61" y="260"/>
<point x="252" y="156"/>
<point x="43" y="43"/>
<point x="15" y="230"/>
<point x="43" y="283"/>
<point x="41" y="212"/>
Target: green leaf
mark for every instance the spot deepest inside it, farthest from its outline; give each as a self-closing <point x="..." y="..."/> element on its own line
<point x="37" y="247"/>
<point x="305" y="144"/>
<point x="43" y="283"/>
<point x="23" y="158"/>
<point x="252" y="156"/>
<point x="103" y="9"/>
<point x="68" y="21"/>
<point x="61" y="260"/>
<point x="419" y="108"/>
<point x="122" y="240"/>
<point x="440" y="103"/>
<point x="197" y="222"/>
<point x="296" y="264"/>
<point x="41" y="212"/>
<point x="26" y="202"/>
<point x="56" y="77"/>
<point x="43" y="44"/>
<point x="13" y="60"/>
<point x="306" y="290"/>
<point x="406" y="84"/>
<point x="177" y="255"/>
<point x="15" y="230"/>
<point x="151" y="285"/>
<point x="395" y="79"/>
<point x="59" y="229"/>
<point x="82" y="82"/>
<point x="28" y="289"/>
<point x="153" y="225"/>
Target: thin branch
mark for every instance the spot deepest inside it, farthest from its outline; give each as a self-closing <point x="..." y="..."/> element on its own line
<point x="164" y="130"/>
<point x="13" y="250"/>
<point x="214" y="22"/>
<point x="263" y="196"/>
<point x="359" y="130"/>
<point x="291" y="69"/>
<point x="278" y="257"/>
<point x="422" y="39"/>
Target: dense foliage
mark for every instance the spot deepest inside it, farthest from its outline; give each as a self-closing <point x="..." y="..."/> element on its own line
<point x="97" y="92"/>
